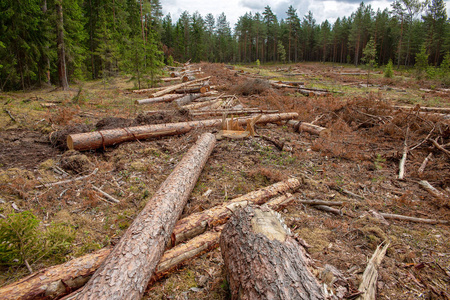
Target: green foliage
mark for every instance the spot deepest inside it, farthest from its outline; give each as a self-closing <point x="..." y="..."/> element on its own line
<point x="389" y="70"/>
<point x="369" y="54"/>
<point x="23" y="241"/>
<point x="258" y="63"/>
<point x="170" y="61"/>
<point x="281" y="52"/>
<point x="421" y="61"/>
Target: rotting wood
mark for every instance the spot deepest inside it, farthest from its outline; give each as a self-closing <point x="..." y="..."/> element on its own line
<point x="108" y="196"/>
<point x="165" y="98"/>
<point x="103" y="138"/>
<point x="199" y="222"/>
<point x="445" y="110"/>
<point x="177" y="86"/>
<point x="320" y="202"/>
<point x="329" y="209"/>
<point x="66" y="181"/>
<point x="262" y="260"/>
<point x="59" y="280"/>
<point x="436" y="144"/>
<point x="368" y="286"/>
<point x="128" y="269"/>
<point x="432" y="190"/>
<point x="412" y="219"/>
<point x="310" y="128"/>
<point x="401" y="169"/>
<point x="424" y="163"/>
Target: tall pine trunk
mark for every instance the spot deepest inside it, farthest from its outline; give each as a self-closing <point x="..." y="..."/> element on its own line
<point x="62" y="71"/>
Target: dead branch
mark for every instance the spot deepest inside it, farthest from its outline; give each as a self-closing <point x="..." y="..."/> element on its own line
<point x="435" y="143"/>
<point x="401" y="172"/>
<point x="368" y="285"/>
<point x="9" y="114"/>
<point x="66" y="181"/>
<point x="329" y="209"/>
<point x="320" y="202"/>
<point x="424" y="163"/>
<point x="412" y="219"/>
<point x="108" y="196"/>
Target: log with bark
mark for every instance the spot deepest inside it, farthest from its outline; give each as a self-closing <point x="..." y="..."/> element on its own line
<point x="310" y="128"/>
<point x="57" y="281"/>
<point x="194" y="89"/>
<point x="242" y="111"/>
<point x="444" y="110"/>
<point x="262" y="260"/>
<point x="128" y="269"/>
<point x="98" y="139"/>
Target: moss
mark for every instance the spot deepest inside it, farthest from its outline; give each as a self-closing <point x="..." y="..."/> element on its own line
<point x="47" y="165"/>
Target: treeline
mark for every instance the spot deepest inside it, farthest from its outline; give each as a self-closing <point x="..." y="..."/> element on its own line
<point x="398" y="34"/>
<point x="57" y="42"/>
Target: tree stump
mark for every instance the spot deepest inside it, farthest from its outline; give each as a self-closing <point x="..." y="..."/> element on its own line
<point x="262" y="259"/>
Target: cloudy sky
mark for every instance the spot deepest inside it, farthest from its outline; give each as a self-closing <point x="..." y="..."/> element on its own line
<point x="233" y="9"/>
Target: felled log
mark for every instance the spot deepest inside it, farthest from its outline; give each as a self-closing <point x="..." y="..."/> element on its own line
<point x="310" y="128"/>
<point x="445" y="110"/>
<point x="150" y="90"/>
<point x="178" y="86"/>
<point x="262" y="260"/>
<point x="59" y="280"/>
<point x="129" y="267"/>
<point x="312" y="92"/>
<point x="103" y="138"/>
<point x="412" y="219"/>
<point x="165" y="98"/>
<point x="195" y="89"/>
<point x="188" y="98"/>
<point x="199" y="222"/>
<point x="242" y="111"/>
<point x="368" y="286"/>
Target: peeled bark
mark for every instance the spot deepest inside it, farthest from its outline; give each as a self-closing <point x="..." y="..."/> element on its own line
<point x="98" y="139"/>
<point x="128" y="269"/>
<point x="263" y="261"/>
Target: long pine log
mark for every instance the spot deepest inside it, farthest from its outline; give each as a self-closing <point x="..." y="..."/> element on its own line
<point x="128" y="269"/>
<point x="98" y="139"/>
<point x="57" y="281"/>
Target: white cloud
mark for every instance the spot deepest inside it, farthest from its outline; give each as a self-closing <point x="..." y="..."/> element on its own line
<point x="233" y="9"/>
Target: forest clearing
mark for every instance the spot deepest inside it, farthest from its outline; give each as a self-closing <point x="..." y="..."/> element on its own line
<point x="351" y="164"/>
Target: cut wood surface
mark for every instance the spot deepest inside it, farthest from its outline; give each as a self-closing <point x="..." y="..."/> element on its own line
<point x="199" y="222"/>
<point x="98" y="139"/>
<point x="59" y="280"/>
<point x="128" y="269"/>
<point x="368" y="286"/>
<point x="165" y="98"/>
<point x="310" y="128"/>
<point x="262" y="260"/>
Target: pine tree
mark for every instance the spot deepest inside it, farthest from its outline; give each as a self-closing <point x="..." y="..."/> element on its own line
<point x="369" y="55"/>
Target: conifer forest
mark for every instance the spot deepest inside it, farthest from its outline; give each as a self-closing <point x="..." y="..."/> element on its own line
<point x="146" y="155"/>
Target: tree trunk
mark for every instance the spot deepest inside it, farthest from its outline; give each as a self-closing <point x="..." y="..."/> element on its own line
<point x="62" y="71"/>
<point x="310" y="128"/>
<point x="263" y="261"/>
<point x="129" y="267"/>
<point x="178" y="86"/>
<point x="201" y="221"/>
<point x="98" y="139"/>
<point x="59" y="280"/>
<point x="165" y="98"/>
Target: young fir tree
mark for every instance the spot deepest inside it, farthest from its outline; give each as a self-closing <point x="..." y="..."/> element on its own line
<point x="369" y="54"/>
<point x="421" y="61"/>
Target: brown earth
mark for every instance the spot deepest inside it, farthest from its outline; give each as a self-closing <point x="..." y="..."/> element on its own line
<point x="361" y="156"/>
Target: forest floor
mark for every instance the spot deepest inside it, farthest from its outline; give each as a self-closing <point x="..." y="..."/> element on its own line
<point x="361" y="156"/>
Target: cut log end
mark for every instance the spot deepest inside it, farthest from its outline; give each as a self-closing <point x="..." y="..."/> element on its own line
<point x="69" y="142"/>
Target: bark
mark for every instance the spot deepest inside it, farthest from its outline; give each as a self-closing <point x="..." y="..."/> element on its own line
<point x="444" y="110"/>
<point x="128" y="269"/>
<point x="186" y="99"/>
<point x="57" y="281"/>
<point x="201" y="221"/>
<point x="310" y="128"/>
<point x="263" y="261"/>
<point x="195" y="89"/>
<point x="242" y="111"/>
<point x="62" y="71"/>
<point x="178" y="86"/>
<point x="98" y="139"/>
<point x="311" y="93"/>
